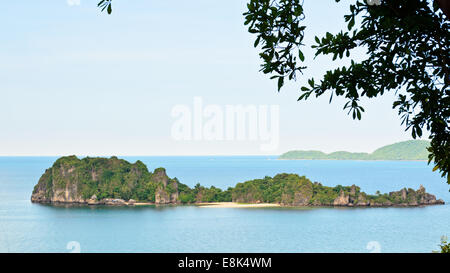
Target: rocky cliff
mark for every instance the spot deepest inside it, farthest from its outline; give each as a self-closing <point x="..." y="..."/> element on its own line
<point x="104" y="181"/>
<point x="402" y="198"/>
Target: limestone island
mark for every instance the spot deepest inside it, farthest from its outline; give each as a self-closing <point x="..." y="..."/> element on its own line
<point x="113" y="181"/>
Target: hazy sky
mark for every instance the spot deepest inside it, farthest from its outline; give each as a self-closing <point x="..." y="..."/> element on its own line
<point x="77" y="81"/>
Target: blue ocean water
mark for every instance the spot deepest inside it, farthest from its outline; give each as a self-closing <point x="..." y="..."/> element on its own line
<point x="27" y="227"/>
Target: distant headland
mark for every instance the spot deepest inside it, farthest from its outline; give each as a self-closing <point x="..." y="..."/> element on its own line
<point x="406" y="150"/>
<point x="113" y="181"/>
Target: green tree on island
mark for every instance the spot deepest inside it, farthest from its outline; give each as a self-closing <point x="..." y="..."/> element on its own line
<point x="407" y="43"/>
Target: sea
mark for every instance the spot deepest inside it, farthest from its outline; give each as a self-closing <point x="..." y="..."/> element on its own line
<point x="28" y="227"/>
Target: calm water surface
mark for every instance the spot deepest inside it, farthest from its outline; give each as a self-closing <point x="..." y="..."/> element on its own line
<point x="27" y="227"/>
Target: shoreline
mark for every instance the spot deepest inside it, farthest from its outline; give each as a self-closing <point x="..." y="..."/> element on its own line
<point x="231" y="205"/>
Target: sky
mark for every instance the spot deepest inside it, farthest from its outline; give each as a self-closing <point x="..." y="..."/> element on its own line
<point x="74" y="80"/>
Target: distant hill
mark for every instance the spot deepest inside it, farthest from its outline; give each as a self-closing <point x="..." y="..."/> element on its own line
<point x="406" y="150"/>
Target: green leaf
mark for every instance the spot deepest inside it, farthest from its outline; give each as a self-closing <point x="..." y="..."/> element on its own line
<point x="301" y="56"/>
<point x="351" y="23"/>
<point x="304" y="96"/>
<point x="280" y="83"/>
<point x="257" y="41"/>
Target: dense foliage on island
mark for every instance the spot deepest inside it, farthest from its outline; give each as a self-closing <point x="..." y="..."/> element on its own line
<point x="115" y="181"/>
<point x="295" y="190"/>
<point x="406" y="150"/>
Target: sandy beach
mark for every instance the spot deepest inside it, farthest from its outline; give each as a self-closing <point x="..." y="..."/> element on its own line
<point x="235" y="205"/>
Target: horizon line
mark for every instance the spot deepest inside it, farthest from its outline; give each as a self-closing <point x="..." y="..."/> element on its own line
<point x="136" y="155"/>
